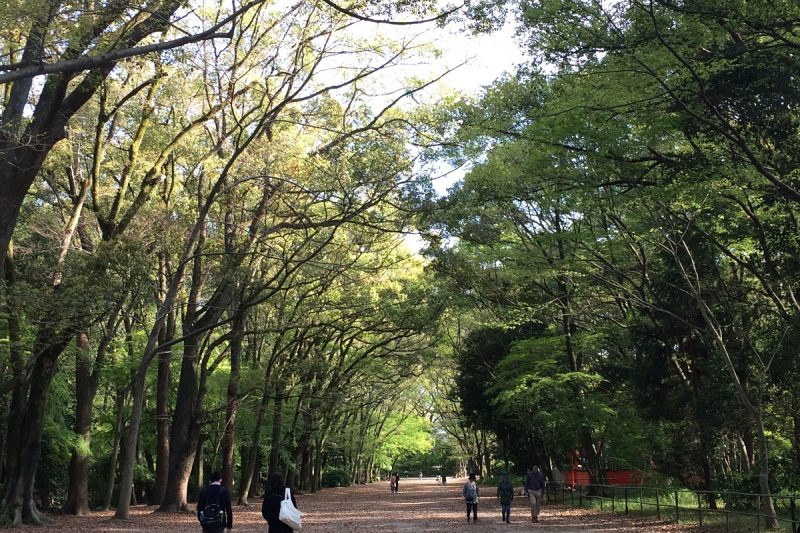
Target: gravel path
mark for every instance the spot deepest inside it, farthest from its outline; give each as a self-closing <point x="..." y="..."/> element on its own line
<point x="420" y="506"/>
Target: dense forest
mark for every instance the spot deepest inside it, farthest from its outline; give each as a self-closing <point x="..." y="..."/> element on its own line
<point x="204" y="211"/>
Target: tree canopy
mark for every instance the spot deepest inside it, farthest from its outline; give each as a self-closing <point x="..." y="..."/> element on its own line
<point x="203" y="213"/>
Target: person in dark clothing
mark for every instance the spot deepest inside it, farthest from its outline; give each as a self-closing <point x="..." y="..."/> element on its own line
<point x="214" y="506"/>
<point x="271" y="507"/>
<point x="535" y="485"/>
<point x="505" y="493"/>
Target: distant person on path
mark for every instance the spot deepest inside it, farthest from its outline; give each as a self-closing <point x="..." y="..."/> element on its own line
<point x="471" y="494"/>
<point x="214" y="506"/>
<point x="534" y="485"/>
<point x="505" y="493"/>
<point x="394" y="479"/>
<point x="420" y="476"/>
<point x="438" y="479"/>
<point x="271" y="507"/>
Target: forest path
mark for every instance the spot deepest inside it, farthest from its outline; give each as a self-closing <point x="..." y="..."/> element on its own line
<point x="420" y="506"/>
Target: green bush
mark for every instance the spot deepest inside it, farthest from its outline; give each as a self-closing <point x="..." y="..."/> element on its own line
<point x="737" y="490"/>
<point x="336" y="477"/>
<point x="52" y="474"/>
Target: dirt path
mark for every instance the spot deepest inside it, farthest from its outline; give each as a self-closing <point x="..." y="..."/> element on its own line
<point x="420" y="506"/>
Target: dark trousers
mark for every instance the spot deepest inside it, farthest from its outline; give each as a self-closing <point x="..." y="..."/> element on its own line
<point x="474" y="508"/>
<point x="506" y="510"/>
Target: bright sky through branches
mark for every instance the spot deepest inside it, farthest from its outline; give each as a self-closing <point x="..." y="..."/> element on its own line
<point x="473" y="61"/>
<point x="485" y="58"/>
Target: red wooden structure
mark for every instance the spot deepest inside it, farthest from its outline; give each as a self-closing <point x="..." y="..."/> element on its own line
<point x="613" y="477"/>
<point x="576" y="476"/>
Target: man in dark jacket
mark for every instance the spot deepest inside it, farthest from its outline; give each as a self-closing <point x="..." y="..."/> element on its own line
<point x="534" y="485"/>
<point x="214" y="506"/>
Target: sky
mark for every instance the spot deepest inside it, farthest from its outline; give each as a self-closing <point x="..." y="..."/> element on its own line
<point x="487" y="56"/>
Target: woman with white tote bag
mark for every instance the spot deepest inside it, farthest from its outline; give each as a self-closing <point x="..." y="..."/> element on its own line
<point x="277" y="507"/>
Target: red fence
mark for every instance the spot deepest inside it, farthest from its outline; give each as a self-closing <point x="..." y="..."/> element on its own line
<point x="613" y="477"/>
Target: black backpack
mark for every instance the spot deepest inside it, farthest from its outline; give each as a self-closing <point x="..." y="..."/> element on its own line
<point x="470" y="492"/>
<point x="212" y="517"/>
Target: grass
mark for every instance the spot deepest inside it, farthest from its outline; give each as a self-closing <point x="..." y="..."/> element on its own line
<point x="682" y="506"/>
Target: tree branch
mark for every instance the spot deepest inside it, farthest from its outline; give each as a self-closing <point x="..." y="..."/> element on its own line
<point x="355" y="15"/>
<point x="90" y="62"/>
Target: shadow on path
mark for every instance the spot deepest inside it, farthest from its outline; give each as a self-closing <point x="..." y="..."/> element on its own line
<point x="425" y="506"/>
<point x="420" y="506"/>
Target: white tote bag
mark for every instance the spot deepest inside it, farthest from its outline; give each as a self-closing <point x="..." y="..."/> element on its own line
<point x="289" y="514"/>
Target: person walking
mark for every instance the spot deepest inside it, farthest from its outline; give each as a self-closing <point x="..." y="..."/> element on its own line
<point x="271" y="506"/>
<point x="534" y="485"/>
<point x="472" y="495"/>
<point x="214" y="506"/>
<point x="505" y="493"/>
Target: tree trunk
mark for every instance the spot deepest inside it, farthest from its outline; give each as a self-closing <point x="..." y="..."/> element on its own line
<point x="708" y="480"/>
<point x="307" y="468"/>
<point x="162" y="407"/>
<point x="478" y="457"/>
<point x="370" y="468"/>
<point x="796" y="443"/>
<point x="487" y="458"/>
<point x="198" y="474"/>
<point x="184" y="433"/>
<point x="274" y="455"/>
<point x="14" y="187"/>
<point x="771" y="518"/>
<point x="129" y="457"/>
<point x="4" y="409"/>
<point x="596" y="472"/>
<point x="318" y="464"/>
<point x="87" y="380"/>
<point x="229" y="437"/>
<point x="249" y="467"/>
<point x="749" y="447"/>
<point x="18" y="503"/>
<point x="256" y="485"/>
<point x="355" y="473"/>
<point x="118" y="426"/>
<point x="78" y="493"/>
<point x="19" y="394"/>
<point x="297" y="469"/>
